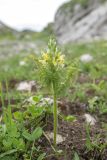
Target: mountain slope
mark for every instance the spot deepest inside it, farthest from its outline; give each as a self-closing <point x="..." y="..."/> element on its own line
<point x="81" y="20"/>
<point x="5" y="30"/>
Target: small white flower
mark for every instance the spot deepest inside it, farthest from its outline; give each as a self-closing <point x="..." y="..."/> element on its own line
<point x="45" y="101"/>
<point x="86" y="58"/>
<point x="31" y="100"/>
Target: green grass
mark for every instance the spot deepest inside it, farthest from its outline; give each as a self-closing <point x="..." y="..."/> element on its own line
<point x="96" y="49"/>
<point x="93" y="71"/>
<point x="10" y="68"/>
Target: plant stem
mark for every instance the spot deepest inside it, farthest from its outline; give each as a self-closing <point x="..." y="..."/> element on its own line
<point x="32" y="149"/>
<point x="55" y="116"/>
<point x="1" y="95"/>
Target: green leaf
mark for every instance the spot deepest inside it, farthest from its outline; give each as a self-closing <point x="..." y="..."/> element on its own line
<point x="8" y="153"/>
<point x="76" y="157"/>
<point x="37" y="98"/>
<point x="37" y="133"/>
<point x="42" y="156"/>
<point x="18" y="115"/>
<point x="70" y="118"/>
<point x="8" y="143"/>
<point x="4" y="129"/>
<point x="12" y="130"/>
<point x="27" y="135"/>
<point x="8" y="157"/>
<point x="35" y="111"/>
<point x="19" y="144"/>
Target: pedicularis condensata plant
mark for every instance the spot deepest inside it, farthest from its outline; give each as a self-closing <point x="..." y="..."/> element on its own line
<point x="54" y="74"/>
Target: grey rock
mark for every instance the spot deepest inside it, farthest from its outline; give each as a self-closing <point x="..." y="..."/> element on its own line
<point x="59" y="138"/>
<point x="90" y="119"/>
<point x="81" y="23"/>
<point x="25" y="86"/>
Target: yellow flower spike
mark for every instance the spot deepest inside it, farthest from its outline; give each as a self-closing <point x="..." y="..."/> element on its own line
<point x="61" y="59"/>
<point x="43" y="62"/>
<point x="54" y="62"/>
<point x="57" y="56"/>
<point x="45" y="56"/>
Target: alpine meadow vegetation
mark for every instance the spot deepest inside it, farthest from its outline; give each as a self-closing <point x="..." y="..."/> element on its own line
<point x="66" y="90"/>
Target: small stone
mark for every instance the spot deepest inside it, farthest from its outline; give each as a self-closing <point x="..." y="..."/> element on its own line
<point x="25" y="86"/>
<point x="76" y="23"/>
<point x="59" y="138"/>
<point x="89" y="119"/>
<point x="86" y="58"/>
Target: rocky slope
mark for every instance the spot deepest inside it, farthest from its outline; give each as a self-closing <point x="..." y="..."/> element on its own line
<point x="13" y="42"/>
<point x="81" y="20"/>
<point x="5" y="30"/>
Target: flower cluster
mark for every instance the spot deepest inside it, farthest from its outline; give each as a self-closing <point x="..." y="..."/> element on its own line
<point x="56" y="59"/>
